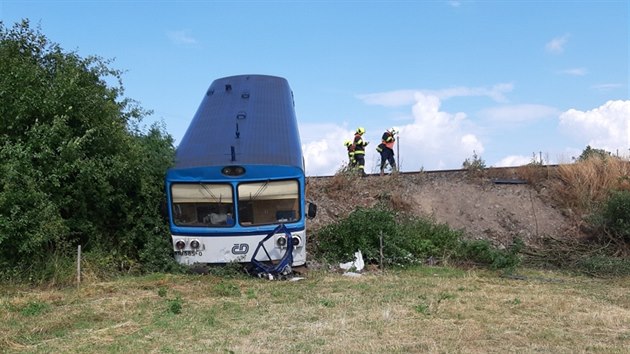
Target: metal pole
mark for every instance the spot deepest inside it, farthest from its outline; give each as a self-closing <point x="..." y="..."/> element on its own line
<point x="398" y="154"/>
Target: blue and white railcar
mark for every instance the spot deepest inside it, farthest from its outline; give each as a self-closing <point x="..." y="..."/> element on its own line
<point x="238" y="174"/>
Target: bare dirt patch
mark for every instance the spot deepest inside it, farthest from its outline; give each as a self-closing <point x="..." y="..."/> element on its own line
<point x="479" y="206"/>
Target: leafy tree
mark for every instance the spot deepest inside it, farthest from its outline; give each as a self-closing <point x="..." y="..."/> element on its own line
<point x="590" y="152"/>
<point x="76" y="168"/>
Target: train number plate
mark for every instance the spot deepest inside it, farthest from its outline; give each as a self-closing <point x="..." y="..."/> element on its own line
<point x="188" y="253"/>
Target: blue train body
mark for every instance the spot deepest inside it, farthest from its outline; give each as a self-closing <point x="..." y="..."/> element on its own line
<point x="238" y="174"/>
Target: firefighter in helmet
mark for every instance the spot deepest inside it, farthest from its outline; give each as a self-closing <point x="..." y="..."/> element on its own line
<point x="359" y="150"/>
<point x="351" y="161"/>
<point x="386" y="149"/>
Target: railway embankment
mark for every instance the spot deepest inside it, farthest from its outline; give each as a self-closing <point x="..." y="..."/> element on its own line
<point x="498" y="205"/>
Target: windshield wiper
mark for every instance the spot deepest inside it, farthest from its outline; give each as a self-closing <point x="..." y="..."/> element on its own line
<point x="259" y="191"/>
<point x="209" y="191"/>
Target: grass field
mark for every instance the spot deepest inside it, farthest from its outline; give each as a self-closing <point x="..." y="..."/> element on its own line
<point x="424" y="309"/>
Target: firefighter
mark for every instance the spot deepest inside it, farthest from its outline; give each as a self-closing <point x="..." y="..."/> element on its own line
<point x="386" y="149"/>
<point x="351" y="161"/>
<point x="359" y="150"/>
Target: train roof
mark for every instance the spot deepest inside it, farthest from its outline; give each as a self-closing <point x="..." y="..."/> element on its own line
<point x="243" y="120"/>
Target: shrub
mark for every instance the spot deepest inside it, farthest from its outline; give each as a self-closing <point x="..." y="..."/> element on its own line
<point x="603" y="265"/>
<point x="77" y="168"/>
<point x="590" y="153"/>
<point x="482" y="252"/>
<point x="474" y="164"/>
<point x="361" y="230"/>
<point x="406" y="240"/>
<point x="611" y="223"/>
<point x="426" y="239"/>
<point x="616" y="215"/>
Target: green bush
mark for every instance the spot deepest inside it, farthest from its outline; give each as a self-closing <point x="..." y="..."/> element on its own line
<point x="361" y="230"/>
<point x="603" y="266"/>
<point x="590" y="153"/>
<point x="474" y="164"/>
<point x="406" y="240"/>
<point x="77" y="168"/>
<point x="423" y="239"/>
<point x="616" y="216"/>
<point x="482" y="252"/>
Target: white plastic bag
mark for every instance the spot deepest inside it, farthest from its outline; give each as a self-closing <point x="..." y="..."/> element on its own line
<point x="356" y="265"/>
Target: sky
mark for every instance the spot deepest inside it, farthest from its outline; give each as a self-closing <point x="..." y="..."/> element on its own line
<point x="510" y="81"/>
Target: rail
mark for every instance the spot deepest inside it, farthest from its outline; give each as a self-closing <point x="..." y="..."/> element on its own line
<point x="449" y="171"/>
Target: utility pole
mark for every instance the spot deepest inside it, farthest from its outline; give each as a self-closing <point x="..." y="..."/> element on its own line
<point x="398" y="154"/>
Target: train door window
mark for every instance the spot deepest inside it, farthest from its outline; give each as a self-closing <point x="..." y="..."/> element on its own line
<point x="202" y="204"/>
<point x="268" y="202"/>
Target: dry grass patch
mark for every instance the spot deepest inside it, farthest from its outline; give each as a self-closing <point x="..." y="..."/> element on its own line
<point x="583" y="185"/>
<point x="417" y="310"/>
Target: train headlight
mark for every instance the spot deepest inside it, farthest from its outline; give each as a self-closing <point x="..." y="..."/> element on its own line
<point x="281" y="241"/>
<point x="297" y="240"/>
<point x="194" y="244"/>
<point x="180" y="244"/>
<point x="233" y="170"/>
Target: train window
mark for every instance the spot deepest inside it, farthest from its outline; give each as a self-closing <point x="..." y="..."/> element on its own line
<point x="202" y="204"/>
<point x="268" y="202"/>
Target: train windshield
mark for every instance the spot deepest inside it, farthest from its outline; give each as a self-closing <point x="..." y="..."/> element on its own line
<point x="202" y="204"/>
<point x="268" y="202"/>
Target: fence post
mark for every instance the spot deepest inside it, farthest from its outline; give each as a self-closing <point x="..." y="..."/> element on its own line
<point x="78" y="266"/>
<point x="381" y="250"/>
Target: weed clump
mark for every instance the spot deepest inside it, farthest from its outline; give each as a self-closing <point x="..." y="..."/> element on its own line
<point x="175" y="305"/>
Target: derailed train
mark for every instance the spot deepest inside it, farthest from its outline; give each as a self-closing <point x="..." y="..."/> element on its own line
<point x="239" y="175"/>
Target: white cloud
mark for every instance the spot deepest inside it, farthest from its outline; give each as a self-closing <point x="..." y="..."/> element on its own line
<point x="406" y="97"/>
<point x="575" y="71"/>
<point x="606" y="87"/>
<point x="605" y="127"/>
<point x="323" y="149"/>
<point x="495" y="92"/>
<point x="518" y="113"/>
<point x="513" y="160"/>
<point x="181" y="37"/>
<point x="436" y="139"/>
<point x="433" y="140"/>
<point x="556" y="45"/>
<point x="389" y="99"/>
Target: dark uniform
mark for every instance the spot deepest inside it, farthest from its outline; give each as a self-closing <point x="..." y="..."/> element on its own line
<point x="386" y="149"/>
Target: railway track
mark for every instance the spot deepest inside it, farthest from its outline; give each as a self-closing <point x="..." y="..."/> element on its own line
<point x="489" y="170"/>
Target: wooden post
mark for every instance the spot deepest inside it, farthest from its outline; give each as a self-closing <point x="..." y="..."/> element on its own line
<point x="381" y="249"/>
<point x="78" y="266"/>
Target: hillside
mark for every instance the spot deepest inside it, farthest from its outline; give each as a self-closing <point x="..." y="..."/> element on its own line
<point x="483" y="209"/>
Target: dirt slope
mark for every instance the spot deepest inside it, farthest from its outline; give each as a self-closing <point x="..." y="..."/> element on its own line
<point x="477" y="205"/>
